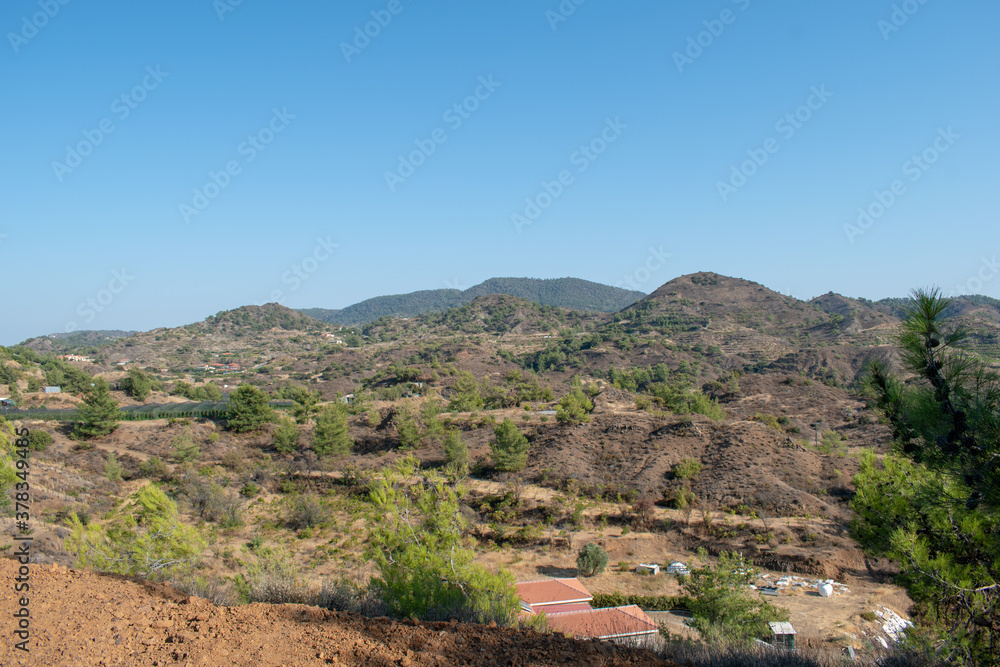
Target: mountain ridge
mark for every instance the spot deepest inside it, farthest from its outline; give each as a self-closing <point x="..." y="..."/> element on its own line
<point x="572" y="293"/>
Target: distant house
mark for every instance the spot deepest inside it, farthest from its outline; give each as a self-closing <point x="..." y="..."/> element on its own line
<point x="647" y="568"/>
<point x="122" y="362"/>
<point x="76" y="357"/>
<point x="347" y="400"/>
<point x="7" y="403"/>
<point x="52" y="390"/>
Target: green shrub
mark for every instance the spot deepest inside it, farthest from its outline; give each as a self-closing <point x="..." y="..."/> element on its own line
<point x="154" y="468"/>
<point x="143" y="537"/>
<point x="768" y="420"/>
<point x="39" y="441"/>
<point x="272" y="578"/>
<point x="305" y="512"/>
<point x="591" y="560"/>
<point x="112" y="468"/>
<point x="687" y="468"/>
<point x="425" y="569"/>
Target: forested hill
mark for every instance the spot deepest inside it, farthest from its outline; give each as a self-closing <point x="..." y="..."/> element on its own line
<point x="572" y="293"/>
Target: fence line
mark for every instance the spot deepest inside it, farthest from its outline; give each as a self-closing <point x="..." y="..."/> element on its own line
<point x="202" y="410"/>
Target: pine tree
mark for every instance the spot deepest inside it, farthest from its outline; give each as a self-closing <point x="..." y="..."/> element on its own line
<point x="510" y="450"/>
<point x="99" y="413"/>
<point x="286" y="436"/>
<point x="331" y="437"/>
<point x="248" y="409"/>
<point x="456" y="452"/>
<point x="933" y="504"/>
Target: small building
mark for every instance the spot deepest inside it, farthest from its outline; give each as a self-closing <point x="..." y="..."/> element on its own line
<point x="347" y="400"/>
<point x="7" y="403"/>
<point x="52" y="390"/>
<point x="647" y="568"/>
<point x="678" y="568"/>
<point x="783" y="635"/>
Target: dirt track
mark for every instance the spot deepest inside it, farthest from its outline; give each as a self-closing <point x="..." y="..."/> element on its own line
<point x="82" y="618"/>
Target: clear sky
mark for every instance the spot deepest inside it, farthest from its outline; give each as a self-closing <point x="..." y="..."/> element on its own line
<point x="163" y="161"/>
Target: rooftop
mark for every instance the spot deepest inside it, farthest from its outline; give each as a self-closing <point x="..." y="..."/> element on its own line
<point x="549" y="591"/>
<point x="603" y="623"/>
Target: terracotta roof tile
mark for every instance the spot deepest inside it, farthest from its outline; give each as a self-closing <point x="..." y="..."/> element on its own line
<point x="603" y="623"/>
<point x="548" y="591"/>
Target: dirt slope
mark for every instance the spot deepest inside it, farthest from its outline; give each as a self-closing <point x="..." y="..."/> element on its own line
<point x="82" y="618"/>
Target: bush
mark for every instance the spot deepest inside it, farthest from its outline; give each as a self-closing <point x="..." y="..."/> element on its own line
<point x="645" y="602"/>
<point x="425" y="570"/>
<point x="687" y="468"/>
<point x="138" y="385"/>
<point x="768" y="420"/>
<point x="591" y="560"/>
<point x="113" y="469"/>
<point x="305" y="512"/>
<point x="38" y="441"/>
<point x="348" y="597"/>
<point x="272" y="578"/>
<point x="574" y="408"/>
<point x="154" y="468"/>
<point x="143" y="537"/>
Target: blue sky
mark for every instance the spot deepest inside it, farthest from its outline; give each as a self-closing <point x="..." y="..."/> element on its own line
<point x="667" y="123"/>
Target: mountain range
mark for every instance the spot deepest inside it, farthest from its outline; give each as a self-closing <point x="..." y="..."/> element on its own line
<point x="572" y="293"/>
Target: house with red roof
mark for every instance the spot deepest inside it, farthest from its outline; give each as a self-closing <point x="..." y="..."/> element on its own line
<point x="567" y="608"/>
